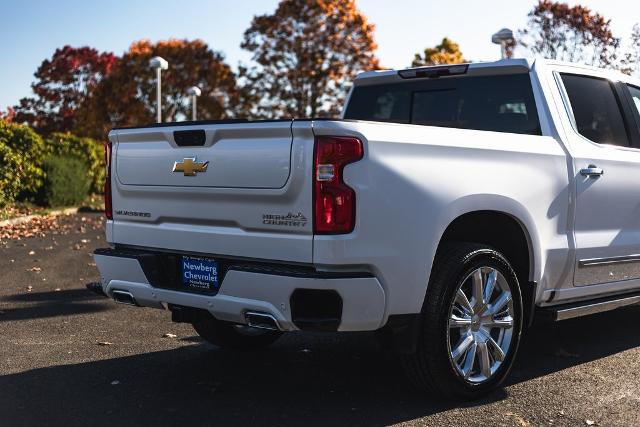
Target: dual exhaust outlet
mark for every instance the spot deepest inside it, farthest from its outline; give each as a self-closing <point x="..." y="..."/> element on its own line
<point x="259" y="320"/>
<point x="124" y="297"/>
<point x="254" y="319"/>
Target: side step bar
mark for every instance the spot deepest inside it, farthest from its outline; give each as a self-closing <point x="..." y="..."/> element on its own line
<point x="585" y="308"/>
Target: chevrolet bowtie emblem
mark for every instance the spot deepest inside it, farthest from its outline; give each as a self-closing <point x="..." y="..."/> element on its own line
<point x="189" y="166"/>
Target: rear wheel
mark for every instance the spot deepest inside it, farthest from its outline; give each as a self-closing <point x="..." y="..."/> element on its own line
<point x="233" y="336"/>
<point x="470" y="325"/>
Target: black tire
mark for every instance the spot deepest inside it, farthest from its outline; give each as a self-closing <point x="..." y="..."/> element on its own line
<point x="430" y="367"/>
<point x="231" y="336"/>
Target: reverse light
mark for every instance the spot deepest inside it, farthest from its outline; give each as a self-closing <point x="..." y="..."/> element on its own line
<point x="108" y="209"/>
<point x="334" y="201"/>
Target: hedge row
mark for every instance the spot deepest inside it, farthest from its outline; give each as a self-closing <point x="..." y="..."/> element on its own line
<point x="25" y="165"/>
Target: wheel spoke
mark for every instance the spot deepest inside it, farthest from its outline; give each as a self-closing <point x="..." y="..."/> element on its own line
<point x="491" y="284"/>
<point x="502" y="300"/>
<point x="469" y="361"/>
<point x="462" y="299"/>
<point x="505" y="322"/>
<point x="485" y="362"/>
<point x="477" y="288"/>
<point x="462" y="346"/>
<point x="498" y="354"/>
<point x="459" y="322"/>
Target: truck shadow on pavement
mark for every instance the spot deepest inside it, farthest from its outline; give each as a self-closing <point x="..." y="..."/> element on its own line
<point x="64" y="302"/>
<point x="311" y="379"/>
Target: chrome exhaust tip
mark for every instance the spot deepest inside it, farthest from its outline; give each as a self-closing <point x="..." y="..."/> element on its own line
<point x="124" y="297"/>
<point x="261" y="321"/>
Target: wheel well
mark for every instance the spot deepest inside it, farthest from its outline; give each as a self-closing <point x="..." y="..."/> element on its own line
<point x="504" y="233"/>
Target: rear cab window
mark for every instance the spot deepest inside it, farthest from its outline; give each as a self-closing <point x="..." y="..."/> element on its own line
<point x="502" y="103"/>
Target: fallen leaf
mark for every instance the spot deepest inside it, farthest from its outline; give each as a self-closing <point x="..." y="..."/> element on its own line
<point x="169" y="335"/>
<point x="36" y="269"/>
<point x="521" y="421"/>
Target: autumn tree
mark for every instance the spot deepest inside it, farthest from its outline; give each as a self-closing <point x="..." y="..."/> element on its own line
<point x="9" y="115"/>
<point x="62" y="84"/>
<point x="307" y="52"/>
<point x="631" y="60"/>
<point x="447" y="52"/>
<point x="128" y="95"/>
<point x="556" y="30"/>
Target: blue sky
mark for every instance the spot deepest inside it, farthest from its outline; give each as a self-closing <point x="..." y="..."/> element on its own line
<point x="30" y="30"/>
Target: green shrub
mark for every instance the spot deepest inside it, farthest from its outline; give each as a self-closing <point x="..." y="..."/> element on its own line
<point x="65" y="181"/>
<point x="10" y="175"/>
<point x="26" y="153"/>
<point x="90" y="151"/>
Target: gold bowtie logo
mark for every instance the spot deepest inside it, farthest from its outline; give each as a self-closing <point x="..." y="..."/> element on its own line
<point x="189" y="166"/>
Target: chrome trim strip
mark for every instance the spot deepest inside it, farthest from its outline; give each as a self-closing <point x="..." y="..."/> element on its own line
<point x="598" y="307"/>
<point x="611" y="260"/>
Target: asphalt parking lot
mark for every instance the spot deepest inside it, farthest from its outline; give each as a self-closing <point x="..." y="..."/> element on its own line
<point x="70" y="357"/>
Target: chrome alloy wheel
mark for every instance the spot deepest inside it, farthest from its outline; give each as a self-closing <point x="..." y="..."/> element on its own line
<point x="481" y="320"/>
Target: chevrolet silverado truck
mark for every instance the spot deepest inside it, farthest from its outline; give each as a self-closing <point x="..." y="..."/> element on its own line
<point x="445" y="209"/>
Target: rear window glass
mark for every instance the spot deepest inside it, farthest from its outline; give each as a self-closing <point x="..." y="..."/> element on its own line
<point x="493" y="103"/>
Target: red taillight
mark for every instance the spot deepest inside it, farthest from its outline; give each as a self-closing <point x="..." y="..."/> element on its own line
<point x="108" y="210"/>
<point x="334" y="201"/>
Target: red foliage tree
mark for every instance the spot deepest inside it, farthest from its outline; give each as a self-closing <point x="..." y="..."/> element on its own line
<point x="307" y="53"/>
<point x="8" y="115"/>
<point x="570" y="33"/>
<point x="62" y="84"/>
<point x="127" y="97"/>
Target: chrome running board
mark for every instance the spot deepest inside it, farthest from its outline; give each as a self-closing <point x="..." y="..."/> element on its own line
<point x="585" y="308"/>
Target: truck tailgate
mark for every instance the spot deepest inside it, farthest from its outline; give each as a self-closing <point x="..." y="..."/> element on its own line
<point x="243" y="191"/>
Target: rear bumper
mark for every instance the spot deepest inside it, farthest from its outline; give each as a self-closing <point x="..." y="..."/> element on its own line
<point x="361" y="298"/>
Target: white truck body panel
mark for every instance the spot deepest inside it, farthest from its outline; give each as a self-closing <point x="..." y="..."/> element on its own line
<point x="412" y="183"/>
<point x="201" y="215"/>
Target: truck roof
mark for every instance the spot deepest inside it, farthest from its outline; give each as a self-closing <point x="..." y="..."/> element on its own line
<point x="503" y="66"/>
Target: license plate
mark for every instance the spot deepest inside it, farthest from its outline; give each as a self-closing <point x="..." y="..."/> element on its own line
<point x="199" y="273"/>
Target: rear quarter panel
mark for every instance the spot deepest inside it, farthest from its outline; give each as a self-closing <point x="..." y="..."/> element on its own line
<point x="415" y="180"/>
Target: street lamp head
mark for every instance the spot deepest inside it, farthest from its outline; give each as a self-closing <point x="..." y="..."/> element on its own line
<point x="505" y="35"/>
<point x="194" y="91"/>
<point x="158" y="62"/>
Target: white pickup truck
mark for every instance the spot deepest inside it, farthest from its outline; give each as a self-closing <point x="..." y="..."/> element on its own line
<point x="446" y="208"/>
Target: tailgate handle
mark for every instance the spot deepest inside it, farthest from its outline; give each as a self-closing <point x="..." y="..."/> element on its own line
<point x="189" y="138"/>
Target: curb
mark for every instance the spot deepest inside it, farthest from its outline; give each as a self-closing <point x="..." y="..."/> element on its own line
<point x="27" y="218"/>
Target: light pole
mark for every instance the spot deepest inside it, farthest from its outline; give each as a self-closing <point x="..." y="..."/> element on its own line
<point x="503" y="37"/>
<point x="194" y="92"/>
<point x="159" y="64"/>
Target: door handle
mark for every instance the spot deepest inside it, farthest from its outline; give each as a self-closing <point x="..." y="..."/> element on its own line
<point x="592" y="171"/>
